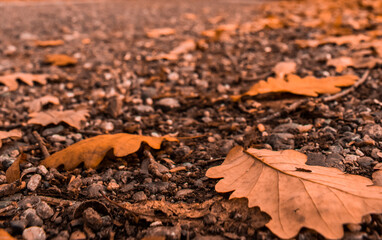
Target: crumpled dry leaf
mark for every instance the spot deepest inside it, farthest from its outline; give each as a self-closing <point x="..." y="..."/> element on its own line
<point x="157" y="32"/>
<point x="342" y="63"/>
<point x="10" y="80"/>
<point x="71" y="117"/>
<point x="283" y="68"/>
<point x="308" y="86"/>
<point x="14" y="134"/>
<point x="4" y="235"/>
<point x="93" y="150"/>
<point x="60" y="60"/>
<point x="37" y="104"/>
<point x="13" y="172"/>
<point x="184" y="47"/>
<point x="294" y="194"/>
<point x="49" y="43"/>
<point x="352" y="40"/>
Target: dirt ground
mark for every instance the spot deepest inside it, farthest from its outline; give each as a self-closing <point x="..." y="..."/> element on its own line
<point x="188" y="98"/>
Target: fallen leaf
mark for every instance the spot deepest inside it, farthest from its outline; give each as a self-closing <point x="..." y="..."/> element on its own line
<point x="13" y="172"/>
<point x="158" y="32"/>
<point x="60" y="60"/>
<point x="49" y="43"/>
<point x="14" y="134"/>
<point x="93" y="150"/>
<point x="352" y="40"/>
<point x="308" y="86"/>
<point x="294" y="194"/>
<point x="283" y="68"/>
<point x="342" y="63"/>
<point x="10" y="80"/>
<point x="184" y="47"/>
<point x="37" y="104"/>
<point x="71" y="117"/>
<point x="4" y="235"/>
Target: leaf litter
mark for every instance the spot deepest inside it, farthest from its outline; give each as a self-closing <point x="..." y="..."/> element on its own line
<point x="10" y="80"/>
<point x="71" y="117"/>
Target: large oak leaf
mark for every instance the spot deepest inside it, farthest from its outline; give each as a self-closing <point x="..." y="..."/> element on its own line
<point x="93" y="150"/>
<point x="308" y="86"/>
<point x="296" y="195"/>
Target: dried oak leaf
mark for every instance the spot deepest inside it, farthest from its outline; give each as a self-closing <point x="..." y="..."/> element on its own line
<point x="342" y="63"/>
<point x="308" y="86"/>
<point x="352" y="40"/>
<point x="37" y="104"/>
<point x="60" y="60"/>
<point x="71" y="117"/>
<point x="93" y="150"/>
<point x="296" y="195"/>
<point x="10" y="80"/>
<point x="49" y="43"/>
<point x="14" y="134"/>
<point x="157" y="32"/>
<point x="13" y="172"/>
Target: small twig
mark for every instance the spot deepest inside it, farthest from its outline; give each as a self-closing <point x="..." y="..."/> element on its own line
<point x="289" y="109"/>
<point x="41" y="143"/>
<point x="57" y="201"/>
<point x="349" y="90"/>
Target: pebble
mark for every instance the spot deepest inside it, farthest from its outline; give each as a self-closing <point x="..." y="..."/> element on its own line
<point x="336" y="149"/>
<point x="113" y="185"/>
<point x="373" y="130"/>
<point x="157" y="187"/>
<point x="57" y="138"/>
<point x="335" y="160"/>
<point x="34" y="182"/>
<point x="95" y="189"/>
<point x="376" y="153"/>
<point x="78" y="235"/>
<point x="293" y="127"/>
<point x="209" y="219"/>
<point x="367" y="140"/>
<point x="139" y="196"/>
<point x="226" y="146"/>
<point x="44" y="210"/>
<point x="143" y="108"/>
<point x="92" y="219"/>
<point x="31" y="216"/>
<point x="377" y="178"/>
<point x="183" y="192"/>
<point x="173" y="76"/>
<point x="52" y="130"/>
<point x="350" y="158"/>
<point x="168" y="103"/>
<point x="18" y="225"/>
<point x="280" y="141"/>
<point x="365" y="162"/>
<point x="107" y="126"/>
<point x="34" y="233"/>
<point x="28" y="202"/>
<point x="170" y="233"/>
<point x="317" y="159"/>
<point x="41" y="169"/>
<point x="63" y="235"/>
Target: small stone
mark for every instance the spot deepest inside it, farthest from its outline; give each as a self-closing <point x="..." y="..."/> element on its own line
<point x="94" y="190"/>
<point x="367" y="140"/>
<point x="183" y="192"/>
<point x="52" y="130"/>
<point x="261" y="127"/>
<point x="316" y="159"/>
<point x="18" y="225"/>
<point x="168" y="103"/>
<point x="57" y="138"/>
<point x="365" y="162"/>
<point x="107" y="126"/>
<point x="173" y="76"/>
<point x="10" y="50"/>
<point x="281" y="141"/>
<point x="226" y="145"/>
<point x="377" y="178"/>
<point x="350" y="158"/>
<point x="41" y="169"/>
<point x="336" y="149"/>
<point x="157" y="187"/>
<point x="359" y="153"/>
<point x="44" y="210"/>
<point x="335" y="160"/>
<point x="92" y="219"/>
<point x="31" y="216"/>
<point x="34" y="182"/>
<point x="171" y="233"/>
<point x="373" y="130"/>
<point x="293" y="127"/>
<point x="78" y="235"/>
<point x="113" y="185"/>
<point x="28" y="202"/>
<point x="139" y="196"/>
<point x="376" y="153"/>
<point x="209" y="219"/>
<point x="34" y="233"/>
<point x="143" y="108"/>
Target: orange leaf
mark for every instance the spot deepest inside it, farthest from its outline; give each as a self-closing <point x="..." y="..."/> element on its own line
<point x="13" y="172"/>
<point x="49" y="43"/>
<point x="37" y="104"/>
<point x="71" y="117"/>
<point x="157" y="32"/>
<point x="4" y="235"/>
<point x="93" y="150"/>
<point x="296" y="195"/>
<point x="14" y="134"/>
<point x="60" y="60"/>
<point x="342" y="63"/>
<point x="308" y="86"/>
<point x="10" y="80"/>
